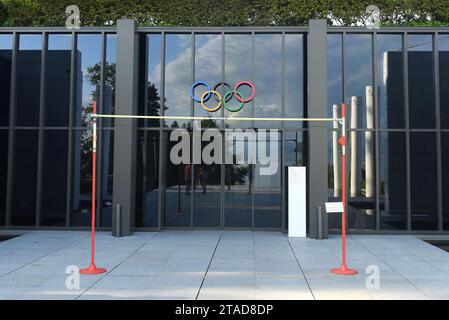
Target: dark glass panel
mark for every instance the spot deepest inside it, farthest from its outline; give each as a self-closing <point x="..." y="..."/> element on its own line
<point x="57" y="96"/>
<point x="109" y="79"/>
<point x="178" y="78"/>
<point x="238" y="67"/>
<point x="54" y="178"/>
<point x="334" y="176"/>
<point x="239" y="182"/>
<point x="3" y="173"/>
<point x="28" y="80"/>
<point x="107" y="179"/>
<point x="420" y="81"/>
<point x="361" y="183"/>
<point x="445" y="178"/>
<point x="88" y="73"/>
<point x="294" y="79"/>
<point x="267" y="79"/>
<point x="208" y="69"/>
<point x="147" y="208"/>
<point x="393" y="192"/>
<point x="390" y="80"/>
<point x="5" y="77"/>
<point x="178" y="186"/>
<point x="443" y="51"/>
<point x="359" y="73"/>
<point x="334" y="73"/>
<point x="25" y="178"/>
<point x="423" y="181"/>
<point x="267" y="181"/>
<point x="153" y="84"/>
<point x="207" y="183"/>
<point x="82" y="178"/>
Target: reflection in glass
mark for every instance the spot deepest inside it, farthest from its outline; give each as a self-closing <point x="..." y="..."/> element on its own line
<point x="208" y="69"/>
<point x="207" y="184"/>
<point x="147" y="193"/>
<point x="28" y="80"/>
<point x="361" y="183"/>
<point x="89" y="57"/>
<point x="152" y="104"/>
<point x="109" y="78"/>
<point x="178" y="78"/>
<point x="178" y="189"/>
<point x="3" y="173"/>
<point x="239" y="180"/>
<point x="54" y="178"/>
<point x="294" y="79"/>
<point x="82" y="178"/>
<point x="267" y="79"/>
<point x="24" y="178"/>
<point x="267" y="181"/>
<point x="5" y="76"/>
<point x="445" y="178"/>
<point x="107" y="178"/>
<point x="57" y="87"/>
<point x="420" y="81"/>
<point x="358" y="62"/>
<point x="393" y="195"/>
<point x="334" y="175"/>
<point x="334" y="72"/>
<point x="443" y="56"/>
<point x="423" y="180"/>
<point x="390" y="80"/>
<point x="238" y="67"/>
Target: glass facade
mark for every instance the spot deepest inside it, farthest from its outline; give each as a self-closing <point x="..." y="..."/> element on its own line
<point x="397" y="148"/>
<point x="395" y="86"/>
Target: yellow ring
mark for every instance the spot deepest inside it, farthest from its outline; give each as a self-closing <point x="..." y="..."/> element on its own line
<point x="211" y="109"/>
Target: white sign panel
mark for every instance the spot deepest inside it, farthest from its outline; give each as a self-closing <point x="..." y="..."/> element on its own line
<point x="297" y="202"/>
<point x="334" y="207"/>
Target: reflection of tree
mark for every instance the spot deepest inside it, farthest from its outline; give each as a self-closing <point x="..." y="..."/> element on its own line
<point x="94" y="77"/>
<point x="153" y="105"/>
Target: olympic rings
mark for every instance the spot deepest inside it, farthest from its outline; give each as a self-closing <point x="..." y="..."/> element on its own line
<point x="203" y="98"/>
<point x="226" y="98"/>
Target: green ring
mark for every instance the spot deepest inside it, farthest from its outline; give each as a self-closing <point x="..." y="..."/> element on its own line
<point x="226" y="105"/>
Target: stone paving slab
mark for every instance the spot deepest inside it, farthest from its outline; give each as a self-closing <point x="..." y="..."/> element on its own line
<point x="209" y="264"/>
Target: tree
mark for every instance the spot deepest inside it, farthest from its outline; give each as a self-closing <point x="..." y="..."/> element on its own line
<point x="222" y="12"/>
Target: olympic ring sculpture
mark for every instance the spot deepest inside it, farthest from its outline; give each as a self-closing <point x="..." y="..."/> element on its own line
<point x="226" y="98"/>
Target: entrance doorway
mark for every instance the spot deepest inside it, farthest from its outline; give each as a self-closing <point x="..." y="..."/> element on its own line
<point x="237" y="195"/>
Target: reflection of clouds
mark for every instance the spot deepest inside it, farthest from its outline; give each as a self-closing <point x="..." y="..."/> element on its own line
<point x="268" y="75"/>
<point x="238" y="67"/>
<point x="359" y="64"/>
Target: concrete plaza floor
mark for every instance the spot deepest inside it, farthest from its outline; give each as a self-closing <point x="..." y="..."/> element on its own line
<point x="220" y="265"/>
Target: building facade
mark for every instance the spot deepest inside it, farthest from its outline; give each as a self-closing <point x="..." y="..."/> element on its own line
<point x="394" y="82"/>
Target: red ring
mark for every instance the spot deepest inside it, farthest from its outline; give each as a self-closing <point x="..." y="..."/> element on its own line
<point x="253" y="91"/>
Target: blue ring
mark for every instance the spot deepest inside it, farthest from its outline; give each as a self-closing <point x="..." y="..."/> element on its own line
<point x="196" y="84"/>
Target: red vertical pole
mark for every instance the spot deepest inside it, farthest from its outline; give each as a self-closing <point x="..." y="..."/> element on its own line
<point x="92" y="269"/>
<point x="343" y="268"/>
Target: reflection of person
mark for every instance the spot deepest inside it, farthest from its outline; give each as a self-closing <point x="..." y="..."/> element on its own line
<point x="188" y="177"/>
<point x="228" y="176"/>
<point x="250" y="177"/>
<point x="203" y="178"/>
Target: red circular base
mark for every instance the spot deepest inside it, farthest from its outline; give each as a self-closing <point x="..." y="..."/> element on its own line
<point x="93" y="270"/>
<point x="343" y="270"/>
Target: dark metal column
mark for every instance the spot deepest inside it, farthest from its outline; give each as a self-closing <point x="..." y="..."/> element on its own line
<point x="317" y="106"/>
<point x="125" y="143"/>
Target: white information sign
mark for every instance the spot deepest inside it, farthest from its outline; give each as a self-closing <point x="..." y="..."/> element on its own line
<point x="334" y="207"/>
<point x="297" y="202"/>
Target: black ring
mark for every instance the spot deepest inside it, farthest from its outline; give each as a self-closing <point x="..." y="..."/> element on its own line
<point x="226" y="85"/>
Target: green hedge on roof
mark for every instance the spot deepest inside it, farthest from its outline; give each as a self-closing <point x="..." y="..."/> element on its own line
<point x="223" y="12"/>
